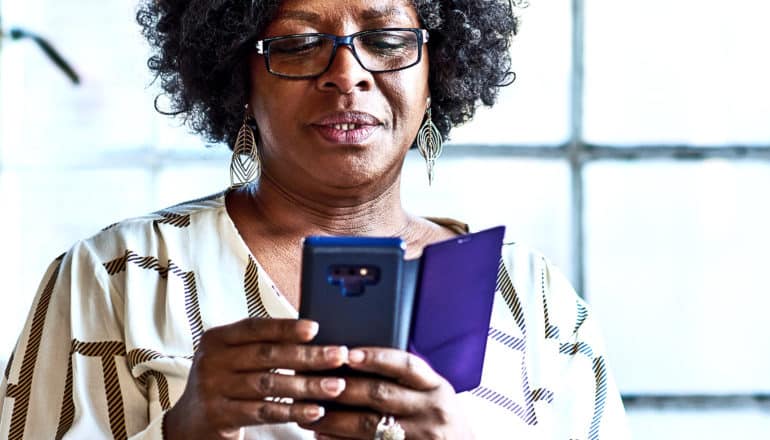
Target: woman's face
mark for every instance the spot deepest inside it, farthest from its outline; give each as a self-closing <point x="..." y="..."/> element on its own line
<point x="348" y="128"/>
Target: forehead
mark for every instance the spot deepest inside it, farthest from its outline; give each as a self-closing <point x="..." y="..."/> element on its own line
<point x="363" y="12"/>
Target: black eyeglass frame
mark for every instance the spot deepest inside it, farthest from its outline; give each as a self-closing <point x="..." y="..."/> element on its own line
<point x="263" y="48"/>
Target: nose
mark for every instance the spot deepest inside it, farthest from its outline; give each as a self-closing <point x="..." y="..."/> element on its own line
<point x="345" y="74"/>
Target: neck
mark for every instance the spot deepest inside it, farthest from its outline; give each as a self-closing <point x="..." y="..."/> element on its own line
<point x="293" y="213"/>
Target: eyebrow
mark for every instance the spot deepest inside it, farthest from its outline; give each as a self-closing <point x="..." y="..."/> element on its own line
<point x="385" y="12"/>
<point x="310" y="17"/>
<point x="370" y="14"/>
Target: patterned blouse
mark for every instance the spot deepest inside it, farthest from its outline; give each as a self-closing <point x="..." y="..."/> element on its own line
<point x="109" y="340"/>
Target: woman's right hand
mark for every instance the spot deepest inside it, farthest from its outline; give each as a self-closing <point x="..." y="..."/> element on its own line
<point x="231" y="377"/>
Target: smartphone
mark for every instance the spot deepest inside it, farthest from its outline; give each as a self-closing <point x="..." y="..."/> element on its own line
<point x="354" y="288"/>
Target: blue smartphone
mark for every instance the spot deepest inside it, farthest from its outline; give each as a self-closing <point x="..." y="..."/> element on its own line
<point x="362" y="292"/>
<point x="354" y="287"/>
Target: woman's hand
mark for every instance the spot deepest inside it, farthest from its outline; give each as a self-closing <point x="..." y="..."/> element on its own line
<point x="231" y="377"/>
<point x="422" y="402"/>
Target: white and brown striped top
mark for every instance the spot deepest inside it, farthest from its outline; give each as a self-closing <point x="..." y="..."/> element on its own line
<point x="108" y="343"/>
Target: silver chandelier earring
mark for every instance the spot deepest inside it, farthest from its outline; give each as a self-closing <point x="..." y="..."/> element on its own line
<point x="429" y="143"/>
<point x="244" y="165"/>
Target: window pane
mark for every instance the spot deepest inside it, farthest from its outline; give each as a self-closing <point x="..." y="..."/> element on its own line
<point x="530" y="197"/>
<point x="192" y="181"/>
<point x="43" y="215"/>
<point x="45" y="117"/>
<point x="534" y="110"/>
<point x="683" y="72"/>
<point x="677" y="266"/>
<point x="681" y="423"/>
<point x="113" y="107"/>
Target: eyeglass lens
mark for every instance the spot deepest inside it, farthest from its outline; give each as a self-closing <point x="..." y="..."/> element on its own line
<point x="309" y="55"/>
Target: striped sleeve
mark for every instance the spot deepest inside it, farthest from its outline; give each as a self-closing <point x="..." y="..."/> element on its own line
<point x="69" y="380"/>
<point x="586" y="402"/>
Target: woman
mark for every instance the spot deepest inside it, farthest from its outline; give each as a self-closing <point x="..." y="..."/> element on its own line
<point x="156" y="327"/>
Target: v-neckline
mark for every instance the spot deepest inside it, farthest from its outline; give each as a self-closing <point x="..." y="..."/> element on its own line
<point x="276" y="304"/>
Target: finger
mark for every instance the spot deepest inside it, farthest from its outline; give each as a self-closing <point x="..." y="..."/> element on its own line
<point x="346" y="424"/>
<point x="239" y="413"/>
<point x="383" y="396"/>
<point x="252" y="330"/>
<point x="265" y="356"/>
<point x="254" y="386"/>
<point x="399" y="365"/>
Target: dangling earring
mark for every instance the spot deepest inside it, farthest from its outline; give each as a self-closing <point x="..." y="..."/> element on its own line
<point x="429" y="143"/>
<point x="244" y="165"/>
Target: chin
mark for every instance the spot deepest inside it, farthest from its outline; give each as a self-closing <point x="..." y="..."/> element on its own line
<point x="356" y="182"/>
<point x="351" y="181"/>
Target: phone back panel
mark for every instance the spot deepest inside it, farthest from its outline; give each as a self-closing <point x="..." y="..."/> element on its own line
<point x="352" y="287"/>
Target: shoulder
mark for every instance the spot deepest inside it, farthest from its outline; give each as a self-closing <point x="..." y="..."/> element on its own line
<point x="179" y="215"/>
<point x="529" y="268"/>
<point x="164" y="234"/>
<point x="532" y="285"/>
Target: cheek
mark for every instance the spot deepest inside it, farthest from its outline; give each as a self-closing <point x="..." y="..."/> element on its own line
<point x="269" y="104"/>
<point x="408" y="98"/>
<point x="419" y="92"/>
<point x="258" y="100"/>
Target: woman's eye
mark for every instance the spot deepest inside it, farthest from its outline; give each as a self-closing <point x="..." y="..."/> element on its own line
<point x="295" y="47"/>
<point x="386" y="44"/>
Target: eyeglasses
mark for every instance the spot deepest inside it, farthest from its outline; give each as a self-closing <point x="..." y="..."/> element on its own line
<point x="310" y="55"/>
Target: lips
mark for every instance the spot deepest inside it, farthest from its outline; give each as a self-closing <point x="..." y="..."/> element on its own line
<point x="346" y="127"/>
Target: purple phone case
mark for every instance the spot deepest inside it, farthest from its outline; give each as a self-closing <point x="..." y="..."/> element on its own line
<point x="451" y="316"/>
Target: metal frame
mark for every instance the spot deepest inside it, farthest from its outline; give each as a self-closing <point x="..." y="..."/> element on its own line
<point x="579" y="153"/>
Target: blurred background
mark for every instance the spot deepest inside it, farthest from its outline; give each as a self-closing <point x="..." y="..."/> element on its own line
<point x="633" y="150"/>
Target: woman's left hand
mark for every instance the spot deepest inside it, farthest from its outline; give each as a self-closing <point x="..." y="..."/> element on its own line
<point x="420" y="400"/>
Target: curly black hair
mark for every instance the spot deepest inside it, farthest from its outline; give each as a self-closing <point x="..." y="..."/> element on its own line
<point x="201" y="48"/>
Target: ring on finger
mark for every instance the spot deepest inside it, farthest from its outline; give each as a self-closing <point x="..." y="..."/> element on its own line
<point x="389" y="429"/>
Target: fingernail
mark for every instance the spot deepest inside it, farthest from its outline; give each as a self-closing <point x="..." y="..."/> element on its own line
<point x="314" y="412"/>
<point x="312" y="329"/>
<point x="356" y="356"/>
<point x="333" y="386"/>
<point x="339" y="354"/>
